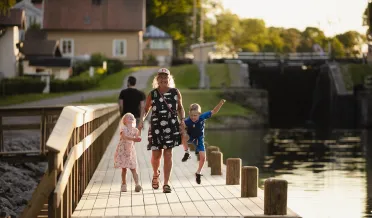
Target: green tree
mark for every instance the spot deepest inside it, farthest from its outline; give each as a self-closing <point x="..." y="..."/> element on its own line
<point x="5" y="5"/>
<point x="311" y="36"/>
<point x="228" y="30"/>
<point x="291" y="39"/>
<point x="338" y="49"/>
<point x="352" y="41"/>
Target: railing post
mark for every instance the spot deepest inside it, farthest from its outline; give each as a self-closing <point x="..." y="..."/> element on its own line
<point x="275" y="200"/>
<point x="208" y="154"/>
<point x="249" y="184"/>
<point x="233" y="171"/>
<point x="216" y="167"/>
<point x="43" y="136"/>
<point x="52" y="168"/>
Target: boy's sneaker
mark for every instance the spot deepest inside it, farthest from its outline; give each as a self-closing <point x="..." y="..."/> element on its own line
<point x="124" y="187"/>
<point x="186" y="157"/>
<point x="198" y="177"/>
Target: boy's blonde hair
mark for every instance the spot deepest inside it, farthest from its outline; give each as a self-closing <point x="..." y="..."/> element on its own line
<point x="195" y="107"/>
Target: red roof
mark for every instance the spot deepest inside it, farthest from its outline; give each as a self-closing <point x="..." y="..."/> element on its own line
<point x="110" y="15"/>
<point x="14" y="17"/>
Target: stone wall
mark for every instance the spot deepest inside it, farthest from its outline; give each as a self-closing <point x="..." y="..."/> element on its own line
<point x="255" y="99"/>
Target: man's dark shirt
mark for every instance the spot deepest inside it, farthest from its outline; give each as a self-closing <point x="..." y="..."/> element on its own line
<point x="131" y="101"/>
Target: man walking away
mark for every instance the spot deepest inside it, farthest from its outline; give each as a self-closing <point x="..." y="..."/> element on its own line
<point x="132" y="100"/>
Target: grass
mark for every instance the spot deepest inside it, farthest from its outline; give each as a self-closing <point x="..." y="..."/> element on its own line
<point x="218" y="74"/>
<point x="185" y="76"/>
<point x="207" y="99"/>
<point x="113" y="81"/>
<point x="354" y="74"/>
<point x="19" y="99"/>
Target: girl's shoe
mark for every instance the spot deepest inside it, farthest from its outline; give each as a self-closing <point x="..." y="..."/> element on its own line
<point x="124" y="187"/>
<point x="138" y="188"/>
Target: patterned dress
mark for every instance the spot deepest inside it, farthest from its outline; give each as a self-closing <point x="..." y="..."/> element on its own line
<point x="164" y="129"/>
<point x="125" y="154"/>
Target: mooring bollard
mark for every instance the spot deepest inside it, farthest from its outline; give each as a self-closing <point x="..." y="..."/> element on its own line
<point x="216" y="167"/>
<point x="275" y="200"/>
<point x="249" y="185"/>
<point x="208" y="154"/>
<point x="233" y="171"/>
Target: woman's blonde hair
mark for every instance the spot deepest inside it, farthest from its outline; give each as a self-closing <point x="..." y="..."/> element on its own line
<point x="195" y="107"/>
<point x="155" y="83"/>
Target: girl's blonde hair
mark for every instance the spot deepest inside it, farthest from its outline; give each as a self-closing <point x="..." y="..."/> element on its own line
<point x="195" y="107"/>
<point x="155" y="83"/>
<point x="125" y="116"/>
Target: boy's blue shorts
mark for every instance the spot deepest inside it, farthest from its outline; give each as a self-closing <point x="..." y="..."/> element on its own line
<point x="198" y="142"/>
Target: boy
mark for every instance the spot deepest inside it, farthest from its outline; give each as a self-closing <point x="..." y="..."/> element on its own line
<point x="195" y="124"/>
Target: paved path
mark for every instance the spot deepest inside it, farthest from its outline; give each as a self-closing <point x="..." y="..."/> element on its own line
<point x="141" y="75"/>
<point x="102" y="197"/>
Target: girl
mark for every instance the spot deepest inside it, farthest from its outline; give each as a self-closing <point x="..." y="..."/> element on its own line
<point x="125" y="155"/>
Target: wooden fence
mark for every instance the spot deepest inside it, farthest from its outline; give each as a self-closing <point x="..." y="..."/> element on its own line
<point x="75" y="147"/>
<point x="32" y="118"/>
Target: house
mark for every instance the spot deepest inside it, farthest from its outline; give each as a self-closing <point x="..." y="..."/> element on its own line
<point x="158" y="44"/>
<point x="33" y="13"/>
<point x="113" y="28"/>
<point x="10" y="25"/>
<point x="43" y="57"/>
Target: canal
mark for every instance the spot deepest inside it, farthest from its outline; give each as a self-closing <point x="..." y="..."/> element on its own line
<point x="326" y="179"/>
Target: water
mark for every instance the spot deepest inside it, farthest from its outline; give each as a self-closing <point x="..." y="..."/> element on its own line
<point x="326" y="179"/>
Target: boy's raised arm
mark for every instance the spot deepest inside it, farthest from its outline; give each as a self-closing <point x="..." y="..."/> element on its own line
<point x="218" y="107"/>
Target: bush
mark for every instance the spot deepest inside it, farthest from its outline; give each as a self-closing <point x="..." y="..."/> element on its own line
<point x="176" y="61"/>
<point x="21" y="85"/>
<point x="80" y="67"/>
<point x="97" y="59"/>
<point x="114" y="66"/>
<point x="74" y="84"/>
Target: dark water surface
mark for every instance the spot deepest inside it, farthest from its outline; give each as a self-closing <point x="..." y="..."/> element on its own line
<point x="326" y="179"/>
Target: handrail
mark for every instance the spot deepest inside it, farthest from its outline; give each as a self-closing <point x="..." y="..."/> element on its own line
<point x="75" y="146"/>
<point x="45" y="124"/>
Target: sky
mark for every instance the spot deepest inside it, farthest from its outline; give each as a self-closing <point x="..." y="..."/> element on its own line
<point x="332" y="16"/>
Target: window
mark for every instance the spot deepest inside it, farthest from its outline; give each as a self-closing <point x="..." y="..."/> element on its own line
<point x="67" y="47"/>
<point x="160" y="44"/>
<point x="120" y="48"/>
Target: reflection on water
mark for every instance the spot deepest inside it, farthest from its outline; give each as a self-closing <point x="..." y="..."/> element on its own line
<point x="327" y="179"/>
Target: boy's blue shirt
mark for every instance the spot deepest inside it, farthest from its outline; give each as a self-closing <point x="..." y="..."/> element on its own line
<point x="196" y="129"/>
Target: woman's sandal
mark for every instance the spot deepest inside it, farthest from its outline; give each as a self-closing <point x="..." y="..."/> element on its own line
<point x="167" y="189"/>
<point x="155" y="180"/>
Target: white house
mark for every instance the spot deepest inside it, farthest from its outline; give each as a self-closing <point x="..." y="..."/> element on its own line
<point x="33" y="14"/>
<point x="158" y="44"/>
<point x="10" y="24"/>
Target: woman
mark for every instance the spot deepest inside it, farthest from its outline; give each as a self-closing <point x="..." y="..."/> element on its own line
<point x="164" y="132"/>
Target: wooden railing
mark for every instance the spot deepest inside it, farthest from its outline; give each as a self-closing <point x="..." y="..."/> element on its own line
<point x="75" y="148"/>
<point x="31" y="118"/>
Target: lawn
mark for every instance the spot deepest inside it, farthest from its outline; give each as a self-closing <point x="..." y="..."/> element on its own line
<point x="113" y="81"/>
<point x="185" y="76"/>
<point x="19" y="99"/>
<point x="207" y="99"/>
<point x="218" y="74"/>
<point x="354" y="74"/>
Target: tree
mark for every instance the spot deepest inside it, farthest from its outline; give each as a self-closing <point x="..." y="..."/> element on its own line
<point x="338" y="49"/>
<point x="291" y="39"/>
<point x="228" y="30"/>
<point x="5" y="5"/>
<point x="311" y="36"/>
<point x="352" y="41"/>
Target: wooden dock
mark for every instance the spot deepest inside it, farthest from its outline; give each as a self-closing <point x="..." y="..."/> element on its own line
<point x="102" y="197"/>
